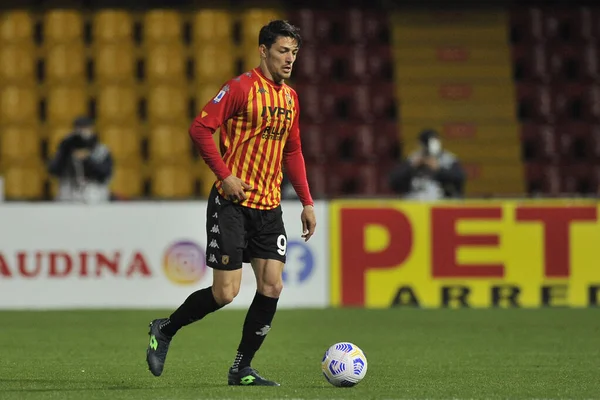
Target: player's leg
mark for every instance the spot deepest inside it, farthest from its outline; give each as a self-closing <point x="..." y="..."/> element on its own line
<point x="225" y="235"/>
<point x="268" y="248"/>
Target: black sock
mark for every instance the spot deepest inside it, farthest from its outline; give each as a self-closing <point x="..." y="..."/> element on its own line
<point x="256" y="326"/>
<point x="194" y="308"/>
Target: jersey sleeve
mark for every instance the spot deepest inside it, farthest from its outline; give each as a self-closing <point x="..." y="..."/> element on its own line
<point x="230" y="100"/>
<point x="293" y="160"/>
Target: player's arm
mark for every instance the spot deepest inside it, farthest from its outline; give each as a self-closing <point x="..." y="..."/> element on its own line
<point x="228" y="102"/>
<point x="295" y="168"/>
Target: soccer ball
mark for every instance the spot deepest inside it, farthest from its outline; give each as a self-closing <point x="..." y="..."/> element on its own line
<point x="344" y="364"/>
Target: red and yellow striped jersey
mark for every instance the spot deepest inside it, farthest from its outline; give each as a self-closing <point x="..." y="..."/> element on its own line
<point x="259" y="127"/>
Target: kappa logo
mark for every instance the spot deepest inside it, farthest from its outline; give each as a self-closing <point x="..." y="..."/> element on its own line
<point x="217" y="201"/>
<point x="262" y="90"/>
<point x="213" y="244"/>
<point x="212" y="258"/>
<point x="215" y="229"/>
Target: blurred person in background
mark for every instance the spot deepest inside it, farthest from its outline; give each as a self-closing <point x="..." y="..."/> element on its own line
<point x="429" y="173"/>
<point x="82" y="165"/>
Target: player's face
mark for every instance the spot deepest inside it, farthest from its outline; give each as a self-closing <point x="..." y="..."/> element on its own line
<point x="280" y="58"/>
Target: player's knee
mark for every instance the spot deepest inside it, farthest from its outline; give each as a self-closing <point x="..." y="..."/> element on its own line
<point x="271" y="289"/>
<point x="224" y="294"/>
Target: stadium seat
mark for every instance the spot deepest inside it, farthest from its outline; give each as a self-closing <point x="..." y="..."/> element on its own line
<point x="253" y="20"/>
<point x="540" y="142"/>
<point x="65" y="63"/>
<point x="16" y="27"/>
<point x="353" y="179"/>
<point x="65" y="103"/>
<point x="167" y="103"/>
<point x="214" y="63"/>
<point x="169" y="142"/>
<point x="19" y="143"/>
<point x="18" y="104"/>
<point x="579" y="178"/>
<point x="531" y="63"/>
<point x="536" y="103"/>
<point x="115" y="62"/>
<point x="172" y="181"/>
<point x="127" y="181"/>
<point x="123" y="142"/>
<point x="165" y="63"/>
<point x="206" y="92"/>
<point x="162" y="26"/>
<point x="62" y="26"/>
<point x="112" y="26"/>
<point x="543" y="179"/>
<point x="313" y="141"/>
<point x="24" y="182"/>
<point x="212" y="26"/>
<point x="350" y="142"/>
<point x="17" y="64"/>
<point x="580" y="142"/>
<point x="317" y="174"/>
<point x="369" y="64"/>
<point x="55" y="134"/>
<point x="117" y="104"/>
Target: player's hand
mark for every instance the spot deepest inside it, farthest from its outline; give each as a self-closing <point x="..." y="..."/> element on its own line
<point x="81" y="154"/>
<point x="432" y="163"/>
<point x="309" y="222"/>
<point x="235" y="189"/>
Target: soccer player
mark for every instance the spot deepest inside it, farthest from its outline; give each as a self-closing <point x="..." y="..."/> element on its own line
<point x="259" y="119"/>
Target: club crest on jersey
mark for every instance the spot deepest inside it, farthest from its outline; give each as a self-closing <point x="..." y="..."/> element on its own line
<point x="221" y="94"/>
<point x="288" y="98"/>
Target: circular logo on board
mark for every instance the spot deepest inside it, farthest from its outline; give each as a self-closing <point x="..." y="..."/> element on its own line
<point x="184" y="262"/>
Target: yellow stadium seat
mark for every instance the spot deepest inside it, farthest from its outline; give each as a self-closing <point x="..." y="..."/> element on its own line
<point x="172" y="181"/>
<point x="65" y="103"/>
<point x="165" y="63"/>
<point x="65" y="63"/>
<point x="117" y="104"/>
<point x="162" y="26"/>
<point x="112" y="26"/>
<point x="214" y="63"/>
<point x="18" y="104"/>
<point x="169" y="142"/>
<point x="167" y="103"/>
<point x="62" y="26"/>
<point x="17" y="64"/>
<point x="253" y="20"/>
<point x="114" y="62"/>
<point x="19" y="143"/>
<point x="55" y="134"/>
<point x="123" y="142"/>
<point x="127" y="180"/>
<point x="16" y="26"/>
<point x="206" y="92"/>
<point x="24" y="182"/>
<point x="212" y="26"/>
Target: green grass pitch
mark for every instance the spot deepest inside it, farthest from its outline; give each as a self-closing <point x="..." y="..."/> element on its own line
<point x="412" y="354"/>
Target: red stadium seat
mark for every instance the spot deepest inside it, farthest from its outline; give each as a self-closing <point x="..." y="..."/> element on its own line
<point x="318" y="174"/>
<point x="537" y="103"/>
<point x="580" y="142"/>
<point x="313" y="138"/>
<point x="531" y="63"/>
<point x="543" y="179"/>
<point x="353" y="179"/>
<point x="540" y="142"/>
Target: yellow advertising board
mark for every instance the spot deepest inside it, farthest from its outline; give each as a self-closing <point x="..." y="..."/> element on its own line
<point x="465" y="254"/>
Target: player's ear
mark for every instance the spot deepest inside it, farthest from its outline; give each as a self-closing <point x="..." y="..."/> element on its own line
<point x="263" y="51"/>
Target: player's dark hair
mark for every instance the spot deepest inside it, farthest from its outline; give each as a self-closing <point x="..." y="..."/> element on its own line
<point x="274" y="29"/>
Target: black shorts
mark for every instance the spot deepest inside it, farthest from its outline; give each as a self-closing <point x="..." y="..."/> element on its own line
<point x="237" y="234"/>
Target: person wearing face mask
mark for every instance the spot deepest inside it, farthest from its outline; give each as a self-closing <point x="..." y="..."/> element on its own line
<point x="430" y="172"/>
<point x="83" y="165"/>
